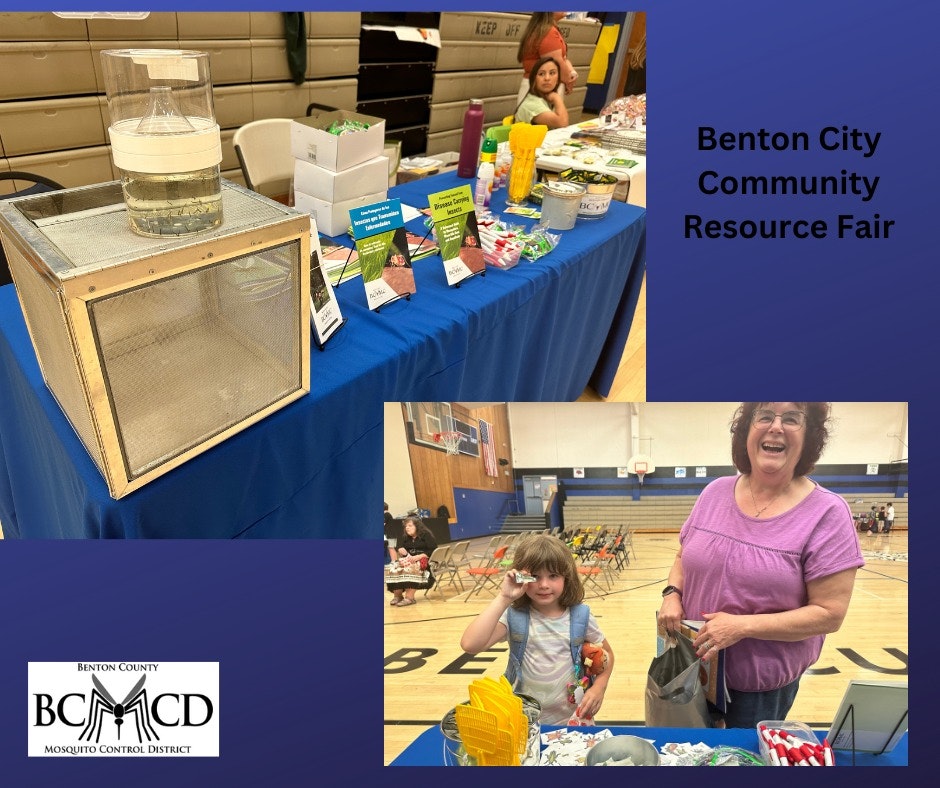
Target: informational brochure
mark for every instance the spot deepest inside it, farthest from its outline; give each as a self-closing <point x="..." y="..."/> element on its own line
<point x="325" y="314"/>
<point x="455" y="222"/>
<point x="420" y="246"/>
<point x="382" y="243"/>
<point x="340" y="262"/>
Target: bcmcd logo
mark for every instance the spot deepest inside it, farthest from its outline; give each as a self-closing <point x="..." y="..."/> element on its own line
<point x="123" y="708"/>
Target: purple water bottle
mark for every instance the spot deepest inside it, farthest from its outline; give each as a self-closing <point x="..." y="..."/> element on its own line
<point x="471" y="139"/>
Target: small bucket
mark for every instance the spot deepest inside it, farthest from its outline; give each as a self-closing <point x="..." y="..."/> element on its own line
<point x="456" y="755"/>
<point x="561" y="203"/>
<point x="599" y="191"/>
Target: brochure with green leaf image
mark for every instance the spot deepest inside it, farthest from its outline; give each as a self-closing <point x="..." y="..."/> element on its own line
<point x="382" y="244"/>
<point x="455" y="222"/>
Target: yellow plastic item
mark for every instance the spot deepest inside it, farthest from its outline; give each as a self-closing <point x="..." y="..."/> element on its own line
<point x="479" y="733"/>
<point x="524" y="138"/>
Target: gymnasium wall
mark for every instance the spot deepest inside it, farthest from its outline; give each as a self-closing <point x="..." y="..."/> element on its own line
<point x="459" y="481"/>
<point x="684" y="434"/>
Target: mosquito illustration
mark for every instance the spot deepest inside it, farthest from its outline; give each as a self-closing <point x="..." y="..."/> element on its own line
<point x="102" y="703"/>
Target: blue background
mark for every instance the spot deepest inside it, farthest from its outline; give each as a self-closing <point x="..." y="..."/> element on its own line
<point x="297" y="626"/>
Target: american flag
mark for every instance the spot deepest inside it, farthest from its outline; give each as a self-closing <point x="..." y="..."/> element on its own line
<point x="489" y="454"/>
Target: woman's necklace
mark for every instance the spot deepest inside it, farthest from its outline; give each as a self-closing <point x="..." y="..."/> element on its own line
<point x="764" y="508"/>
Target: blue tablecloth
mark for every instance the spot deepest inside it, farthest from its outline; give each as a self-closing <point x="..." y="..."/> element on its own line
<point x="428" y="748"/>
<point x="540" y="331"/>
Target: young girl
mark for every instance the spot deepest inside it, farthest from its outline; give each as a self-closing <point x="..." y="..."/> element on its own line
<point x="544" y="104"/>
<point x="547" y="666"/>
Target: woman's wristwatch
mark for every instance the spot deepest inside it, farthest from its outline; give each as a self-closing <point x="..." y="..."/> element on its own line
<point x="672" y="590"/>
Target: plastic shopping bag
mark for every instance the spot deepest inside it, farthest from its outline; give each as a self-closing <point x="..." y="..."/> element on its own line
<point x="675" y="688"/>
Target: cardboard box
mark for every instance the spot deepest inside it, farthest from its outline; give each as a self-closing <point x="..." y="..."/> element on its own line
<point x="326" y="57"/>
<point x="580" y="31"/>
<point x="21" y="26"/>
<point x="449" y="115"/>
<point x="465" y="85"/>
<point x="227" y="62"/>
<point x="231" y="24"/>
<point x="234" y="105"/>
<point x="309" y="140"/>
<point x="79" y="167"/>
<point x="50" y="124"/>
<point x="332" y="57"/>
<point x="266" y="24"/>
<point x="339" y="93"/>
<point x="158" y="25"/>
<point x="55" y="68"/>
<point x="482" y="26"/>
<point x="333" y="218"/>
<point x="338" y="24"/>
<point x="470" y="56"/>
<point x="316" y="181"/>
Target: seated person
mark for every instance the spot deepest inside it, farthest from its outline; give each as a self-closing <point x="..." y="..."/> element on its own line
<point x="543" y="105"/>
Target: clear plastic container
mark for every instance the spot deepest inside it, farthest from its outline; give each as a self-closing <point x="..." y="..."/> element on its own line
<point x="164" y="139"/>
<point x="797" y="730"/>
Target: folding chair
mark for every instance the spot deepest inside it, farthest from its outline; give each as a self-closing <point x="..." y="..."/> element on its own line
<point x="21" y="184"/>
<point x="263" y="150"/>
<point x="589" y="574"/>
<point x="436" y="563"/>
<point x="457" y="559"/>
<point x="485" y="573"/>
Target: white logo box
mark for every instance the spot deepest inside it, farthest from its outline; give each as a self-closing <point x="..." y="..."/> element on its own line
<point x="165" y="709"/>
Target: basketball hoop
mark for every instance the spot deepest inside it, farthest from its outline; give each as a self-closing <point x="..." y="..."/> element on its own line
<point x="449" y="440"/>
<point x="640" y="465"/>
<point x="640" y="470"/>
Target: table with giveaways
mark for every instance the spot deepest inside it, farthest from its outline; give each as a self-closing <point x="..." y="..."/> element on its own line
<point x="539" y="331"/>
<point x="428" y="748"/>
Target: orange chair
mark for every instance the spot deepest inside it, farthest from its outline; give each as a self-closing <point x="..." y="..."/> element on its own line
<point x="589" y="573"/>
<point x="485" y="573"/>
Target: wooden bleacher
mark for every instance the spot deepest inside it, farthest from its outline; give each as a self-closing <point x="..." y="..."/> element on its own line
<point x="867" y="501"/>
<point x="668" y="513"/>
<point x="656" y="513"/>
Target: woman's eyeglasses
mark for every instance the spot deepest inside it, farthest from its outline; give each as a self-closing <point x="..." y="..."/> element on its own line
<point x="790" y="420"/>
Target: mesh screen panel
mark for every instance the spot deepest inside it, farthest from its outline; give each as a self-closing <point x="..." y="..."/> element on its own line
<point x="188" y="357"/>
<point x="114" y="242"/>
<point x="52" y="341"/>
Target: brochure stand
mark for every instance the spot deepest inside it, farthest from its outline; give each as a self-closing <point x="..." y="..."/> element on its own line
<point x="326" y="317"/>
<point x="316" y="339"/>
<point x="458" y="235"/>
<point x="343" y="271"/>
<point x="876" y="713"/>
<point x="382" y="244"/>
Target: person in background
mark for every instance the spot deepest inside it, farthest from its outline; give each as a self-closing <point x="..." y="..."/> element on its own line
<point x="542" y="38"/>
<point x="414" y="550"/>
<point x="767" y="559"/>
<point x="543" y="104"/>
<point x="882" y="517"/>
<point x="389" y="521"/>
<point x="889" y="521"/>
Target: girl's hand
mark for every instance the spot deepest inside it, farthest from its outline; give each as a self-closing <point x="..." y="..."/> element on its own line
<point x="591" y="702"/>
<point x="670" y="614"/>
<point x="402" y="551"/>
<point x="511" y="589"/>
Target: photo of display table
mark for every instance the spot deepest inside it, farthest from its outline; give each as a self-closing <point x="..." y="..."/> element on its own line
<point x="428" y="748"/>
<point x="539" y="331"/>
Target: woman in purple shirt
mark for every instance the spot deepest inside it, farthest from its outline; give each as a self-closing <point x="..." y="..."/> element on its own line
<point x="767" y="559"/>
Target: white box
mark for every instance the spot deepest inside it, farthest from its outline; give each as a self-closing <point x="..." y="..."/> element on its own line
<point x="316" y="181"/>
<point x="309" y="140"/>
<point x="333" y="218"/>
